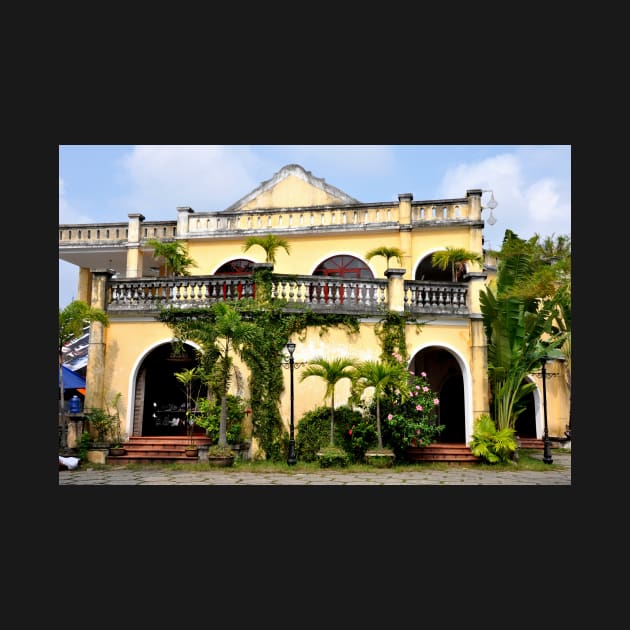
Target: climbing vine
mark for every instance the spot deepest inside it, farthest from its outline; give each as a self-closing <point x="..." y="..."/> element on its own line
<point x="264" y="356"/>
<point x="391" y="332"/>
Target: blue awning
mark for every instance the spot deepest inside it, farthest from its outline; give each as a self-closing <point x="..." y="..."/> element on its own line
<point x="71" y="380"/>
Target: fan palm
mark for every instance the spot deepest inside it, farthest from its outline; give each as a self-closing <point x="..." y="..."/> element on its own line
<point x="270" y="243"/>
<point x="382" y="376"/>
<point x="174" y="254"/>
<point x="386" y="252"/>
<point x="331" y="372"/>
<point x="455" y="258"/>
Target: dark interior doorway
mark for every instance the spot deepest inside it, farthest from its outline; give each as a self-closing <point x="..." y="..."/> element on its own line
<point x="445" y="378"/>
<point x="525" y="424"/>
<point x="165" y="397"/>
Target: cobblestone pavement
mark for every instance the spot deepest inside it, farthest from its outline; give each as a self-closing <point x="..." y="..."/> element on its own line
<point x="559" y="475"/>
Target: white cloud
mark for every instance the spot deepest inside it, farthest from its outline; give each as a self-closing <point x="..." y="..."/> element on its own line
<point x="528" y="203"/>
<point x="205" y="178"/>
<point x="543" y="202"/>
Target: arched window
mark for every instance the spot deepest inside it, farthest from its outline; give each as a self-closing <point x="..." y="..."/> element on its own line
<point x="343" y="267"/>
<point x="426" y="271"/>
<point x="236" y="267"/>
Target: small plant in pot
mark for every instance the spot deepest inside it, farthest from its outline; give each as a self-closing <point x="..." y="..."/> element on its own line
<point x="220" y="455"/>
<point x="118" y="439"/>
<point x="186" y="378"/>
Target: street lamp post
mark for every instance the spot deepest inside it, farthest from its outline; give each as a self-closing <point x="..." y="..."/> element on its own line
<point x="547" y="450"/>
<point x="291" y="459"/>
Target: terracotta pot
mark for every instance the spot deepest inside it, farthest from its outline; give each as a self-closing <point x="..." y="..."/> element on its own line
<point x="191" y="452"/>
<point x="117" y="451"/>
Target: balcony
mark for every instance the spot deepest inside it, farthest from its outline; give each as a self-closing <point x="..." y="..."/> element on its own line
<point x="321" y="294"/>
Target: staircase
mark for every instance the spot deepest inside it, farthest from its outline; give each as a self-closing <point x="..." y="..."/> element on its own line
<point x="526" y="442"/>
<point x="442" y="452"/>
<point x="170" y="448"/>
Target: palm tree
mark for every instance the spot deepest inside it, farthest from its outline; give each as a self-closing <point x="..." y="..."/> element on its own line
<point x="270" y="243"/>
<point x="186" y="378"/>
<point x="386" y="252"/>
<point x="331" y="372"/>
<point x="455" y="258"/>
<point x="174" y="254"/>
<point x="381" y="375"/>
<point x="220" y="335"/>
<point x="520" y="329"/>
<point x="72" y="320"/>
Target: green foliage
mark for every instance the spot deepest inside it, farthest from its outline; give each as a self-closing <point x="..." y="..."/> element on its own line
<point x="331" y="372"/>
<point x="270" y="243"/>
<point x="101" y="421"/>
<point x="390" y="331"/>
<point x="74" y="317"/>
<point x="455" y="258"/>
<point x="85" y="441"/>
<point x="409" y="414"/>
<point x="492" y="444"/>
<point x="520" y="329"/>
<point x="313" y="431"/>
<point x="174" y="254"/>
<point x="386" y="252"/>
<point x="263" y="355"/>
<point x="332" y="457"/>
<point x="220" y="451"/>
<point x="359" y="437"/>
<point x="383" y="377"/>
<point x="209" y="417"/>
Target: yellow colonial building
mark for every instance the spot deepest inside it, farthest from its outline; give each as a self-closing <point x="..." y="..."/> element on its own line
<point x="327" y="270"/>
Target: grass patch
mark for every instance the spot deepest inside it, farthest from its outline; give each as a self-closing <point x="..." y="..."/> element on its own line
<point x="526" y="461"/>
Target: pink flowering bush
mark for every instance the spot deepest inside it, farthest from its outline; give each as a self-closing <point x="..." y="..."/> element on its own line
<point x="410" y="417"/>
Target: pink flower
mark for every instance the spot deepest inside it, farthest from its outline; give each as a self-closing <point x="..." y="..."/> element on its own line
<point x="417" y="386"/>
<point x="425" y="389"/>
<point x="436" y="401"/>
<point x="349" y="431"/>
<point x="417" y="431"/>
<point x="423" y="374"/>
<point x="418" y="407"/>
<point x="389" y="417"/>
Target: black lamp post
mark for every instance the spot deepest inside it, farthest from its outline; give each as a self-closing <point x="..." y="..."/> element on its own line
<point x="291" y="459"/>
<point x="547" y="450"/>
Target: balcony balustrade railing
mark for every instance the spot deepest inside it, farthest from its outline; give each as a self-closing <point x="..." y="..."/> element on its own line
<point x="320" y="293"/>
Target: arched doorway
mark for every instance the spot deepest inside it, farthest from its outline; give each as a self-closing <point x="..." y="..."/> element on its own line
<point x="445" y="378"/>
<point x="525" y="425"/>
<point x="161" y="399"/>
<point x="428" y="272"/>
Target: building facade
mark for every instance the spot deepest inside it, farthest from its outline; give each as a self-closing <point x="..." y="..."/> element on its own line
<point x="327" y="270"/>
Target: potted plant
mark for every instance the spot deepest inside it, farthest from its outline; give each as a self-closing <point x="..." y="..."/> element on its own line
<point x="101" y="422"/>
<point x="186" y="378"/>
<point x="116" y="448"/>
<point x="222" y="456"/>
<point x="382" y="377"/>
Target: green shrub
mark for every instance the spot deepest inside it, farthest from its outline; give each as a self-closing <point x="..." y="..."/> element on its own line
<point x="495" y="446"/>
<point x="332" y="457"/>
<point x="85" y="441"/>
<point x="210" y="417"/>
<point x="313" y="431"/>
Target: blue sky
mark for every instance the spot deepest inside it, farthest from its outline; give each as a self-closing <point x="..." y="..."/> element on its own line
<point x="104" y="183"/>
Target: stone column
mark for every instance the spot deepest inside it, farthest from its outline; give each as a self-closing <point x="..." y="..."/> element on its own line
<point x="134" y="253"/>
<point x="183" y="213"/>
<point x="479" y="363"/>
<point x="94" y="377"/>
<point x="404" y="221"/>
<point x="395" y="289"/>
